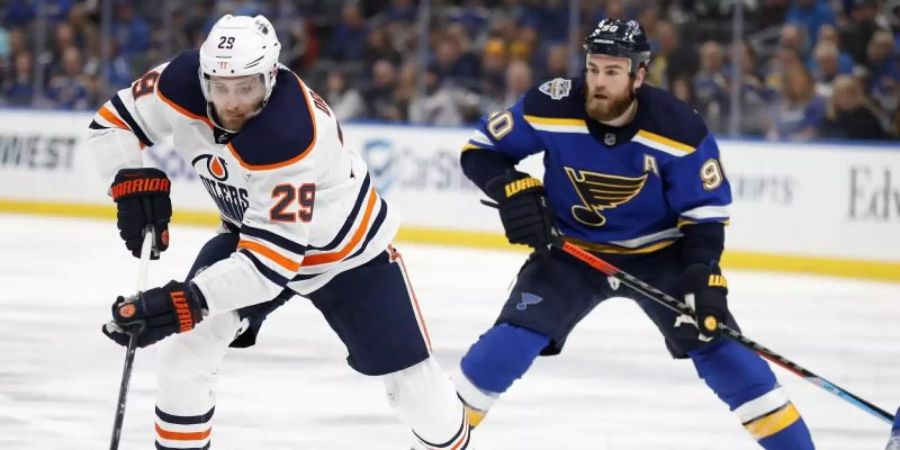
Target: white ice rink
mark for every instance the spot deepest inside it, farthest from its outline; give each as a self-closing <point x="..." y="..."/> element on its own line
<point x="613" y="388"/>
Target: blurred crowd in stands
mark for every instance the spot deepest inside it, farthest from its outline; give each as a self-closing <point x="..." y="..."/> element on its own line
<point x="809" y="69"/>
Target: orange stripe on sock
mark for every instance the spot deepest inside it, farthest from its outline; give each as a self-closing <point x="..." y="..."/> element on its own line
<point x="179" y="436"/>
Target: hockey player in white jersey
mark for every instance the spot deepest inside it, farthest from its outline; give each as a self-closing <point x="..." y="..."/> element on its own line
<point x="300" y="216"/>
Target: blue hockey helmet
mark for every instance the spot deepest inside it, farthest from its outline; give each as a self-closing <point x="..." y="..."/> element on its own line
<point x="625" y="39"/>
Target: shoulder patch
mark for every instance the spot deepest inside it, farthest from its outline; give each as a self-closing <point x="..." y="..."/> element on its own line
<point x="179" y="86"/>
<point x="283" y="133"/>
<point x="557" y="98"/>
<point x="557" y="88"/>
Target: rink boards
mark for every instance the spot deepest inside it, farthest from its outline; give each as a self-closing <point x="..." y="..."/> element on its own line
<point x="820" y="207"/>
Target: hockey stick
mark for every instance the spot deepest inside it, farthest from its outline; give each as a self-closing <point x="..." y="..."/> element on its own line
<point x="132" y="342"/>
<point x="682" y="308"/>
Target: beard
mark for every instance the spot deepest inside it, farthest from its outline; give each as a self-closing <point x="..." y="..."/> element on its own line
<point x="610" y="108"/>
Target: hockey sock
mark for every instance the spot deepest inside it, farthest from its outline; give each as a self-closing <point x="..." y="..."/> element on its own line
<point x="489" y="368"/>
<point x="424" y="397"/>
<point x="180" y="432"/>
<point x="746" y="384"/>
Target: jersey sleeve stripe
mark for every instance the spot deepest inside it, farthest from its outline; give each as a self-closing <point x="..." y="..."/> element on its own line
<point x="271" y="275"/>
<point x="705" y="213"/>
<point x="662" y="143"/>
<point x="110" y="117"/>
<point x="272" y="255"/>
<point x="126" y="116"/>
<point x="345" y="228"/>
<point x="96" y="126"/>
<point x="274" y="238"/>
<point x="180" y="109"/>
<point x="325" y="258"/>
<point x="303" y="154"/>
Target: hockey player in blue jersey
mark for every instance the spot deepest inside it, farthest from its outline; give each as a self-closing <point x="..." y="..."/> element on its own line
<point x="633" y="175"/>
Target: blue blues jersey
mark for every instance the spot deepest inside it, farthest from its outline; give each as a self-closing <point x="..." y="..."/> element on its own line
<point x="626" y="189"/>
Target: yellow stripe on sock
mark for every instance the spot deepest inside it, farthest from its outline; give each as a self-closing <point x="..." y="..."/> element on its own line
<point x="474" y="416"/>
<point x="772" y="423"/>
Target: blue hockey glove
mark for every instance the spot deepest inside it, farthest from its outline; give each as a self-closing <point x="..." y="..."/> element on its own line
<point x="706" y="292"/>
<point x="155" y="314"/>
<point x="527" y="217"/>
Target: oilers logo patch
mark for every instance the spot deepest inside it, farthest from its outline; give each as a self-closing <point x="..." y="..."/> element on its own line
<point x="557" y="88"/>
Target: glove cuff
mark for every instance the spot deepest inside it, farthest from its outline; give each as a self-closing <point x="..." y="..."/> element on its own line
<point x="144" y="181"/>
<point x="511" y="184"/>
<point x="699" y="276"/>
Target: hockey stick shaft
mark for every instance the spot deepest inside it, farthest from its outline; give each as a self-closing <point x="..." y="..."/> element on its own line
<point x="682" y="308"/>
<point x="143" y="269"/>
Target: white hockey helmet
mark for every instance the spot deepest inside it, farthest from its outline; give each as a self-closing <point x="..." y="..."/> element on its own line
<point x="239" y="46"/>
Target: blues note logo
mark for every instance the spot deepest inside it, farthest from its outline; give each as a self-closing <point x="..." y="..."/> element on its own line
<point x="528" y="299"/>
<point x="599" y="191"/>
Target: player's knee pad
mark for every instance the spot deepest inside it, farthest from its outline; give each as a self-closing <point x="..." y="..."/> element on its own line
<point x="424" y="397"/>
<point x="732" y="371"/>
<point x="501" y="356"/>
<point x="746" y="383"/>
<point x="188" y="362"/>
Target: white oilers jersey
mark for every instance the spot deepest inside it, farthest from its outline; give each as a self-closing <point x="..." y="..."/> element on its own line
<point x="305" y="205"/>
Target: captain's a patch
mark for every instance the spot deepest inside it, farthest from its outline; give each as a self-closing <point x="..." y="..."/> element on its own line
<point x="557" y="88"/>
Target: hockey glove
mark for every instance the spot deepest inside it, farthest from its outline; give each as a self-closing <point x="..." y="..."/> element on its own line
<point x="527" y="217"/>
<point x="142" y="199"/>
<point x="705" y="290"/>
<point x="155" y="314"/>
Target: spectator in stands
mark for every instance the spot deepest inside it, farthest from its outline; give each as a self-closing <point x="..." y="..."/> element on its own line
<point x="856" y="34"/>
<point x="344" y="44"/>
<point x="379" y="96"/>
<point x="673" y="60"/>
<point x="52" y="64"/>
<point x="793" y="37"/>
<point x="710" y="87"/>
<point x="379" y="47"/>
<point x="19" y="87"/>
<point x="826" y="67"/>
<point x="519" y="78"/>
<point x="798" y="114"/>
<point x="346" y="102"/>
<point x="19" y="13"/>
<point x="453" y="60"/>
<point x="883" y="70"/>
<point x="755" y="96"/>
<point x="683" y="89"/>
<point x="778" y="65"/>
<point x="811" y="15"/>
<point x="557" y="62"/>
<point x="849" y="114"/>
<point x="68" y="90"/>
<point x="438" y="106"/>
<point x="828" y="33"/>
<point x="131" y="34"/>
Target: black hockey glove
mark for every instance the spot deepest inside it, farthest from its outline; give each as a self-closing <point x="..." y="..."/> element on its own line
<point x="527" y="217"/>
<point x="705" y="290"/>
<point x="155" y="314"/>
<point x="142" y="198"/>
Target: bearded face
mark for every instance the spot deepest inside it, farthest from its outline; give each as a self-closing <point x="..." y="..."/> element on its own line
<point x="610" y="89"/>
